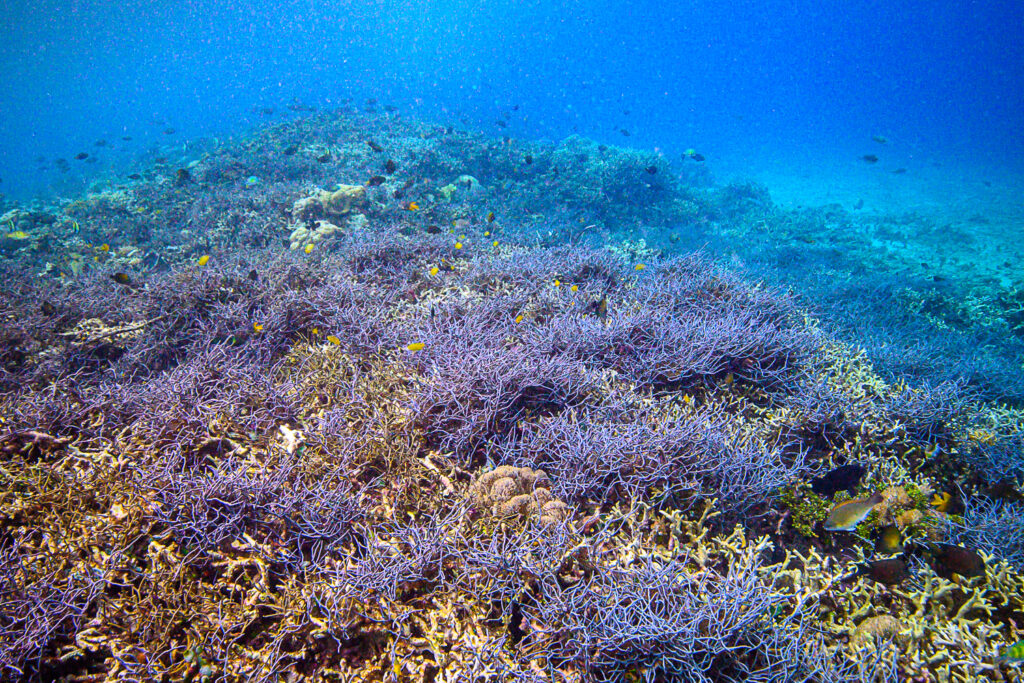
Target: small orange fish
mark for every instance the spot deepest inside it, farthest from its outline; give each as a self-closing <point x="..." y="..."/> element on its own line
<point x="104" y="247"/>
<point x="412" y="206"/>
<point x="434" y="271"/>
<point x="639" y="267"/>
<point x="940" y="501"/>
<point x="257" y="326"/>
<point x="334" y="340"/>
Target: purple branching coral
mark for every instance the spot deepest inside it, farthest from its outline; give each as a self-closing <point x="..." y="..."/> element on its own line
<point x="927" y="413"/>
<point x="618" y="452"/>
<point x="39" y="602"/>
<point x="664" y="621"/>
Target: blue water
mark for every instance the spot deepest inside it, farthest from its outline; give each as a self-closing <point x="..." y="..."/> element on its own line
<point x="752" y="84"/>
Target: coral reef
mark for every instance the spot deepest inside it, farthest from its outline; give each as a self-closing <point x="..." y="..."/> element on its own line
<point x="464" y="439"/>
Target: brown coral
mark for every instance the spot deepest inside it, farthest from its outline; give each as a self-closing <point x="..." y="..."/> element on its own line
<point x="518" y="491"/>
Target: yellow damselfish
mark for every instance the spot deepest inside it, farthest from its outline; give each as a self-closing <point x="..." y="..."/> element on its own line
<point x="309" y="248"/>
<point x="434" y="271"/>
<point x="416" y="346"/>
<point x="203" y="260"/>
<point x="258" y="327"/>
<point x="334" y="340"/>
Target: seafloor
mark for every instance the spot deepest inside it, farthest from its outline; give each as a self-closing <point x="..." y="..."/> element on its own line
<point x="361" y="398"/>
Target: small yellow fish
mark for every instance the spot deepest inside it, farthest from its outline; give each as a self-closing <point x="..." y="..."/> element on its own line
<point x="458" y="245"/>
<point x="434" y="271"/>
<point x="315" y="331"/>
<point x="574" y="288"/>
<point x="104" y="247"/>
<point x="18" y="235"/>
<point x="519" y="318"/>
<point x="940" y="501"/>
<point x="334" y="340"/>
<point x="487" y="233"/>
<point x="309" y="248"/>
<point x="203" y="260"/>
<point x="416" y="346"/>
<point x="558" y="283"/>
<point x="412" y="206"/>
<point x="638" y="267"/>
<point x="258" y="327"/>
<point x="494" y="243"/>
<point x="889" y="539"/>
<point x="847" y="515"/>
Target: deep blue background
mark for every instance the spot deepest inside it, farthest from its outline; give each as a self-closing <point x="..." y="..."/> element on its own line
<point x="942" y="79"/>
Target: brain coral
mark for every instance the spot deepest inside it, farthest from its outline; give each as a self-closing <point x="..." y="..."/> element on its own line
<point x="518" y="491"/>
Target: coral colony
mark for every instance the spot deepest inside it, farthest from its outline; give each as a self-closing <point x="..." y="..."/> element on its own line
<point x="364" y="399"/>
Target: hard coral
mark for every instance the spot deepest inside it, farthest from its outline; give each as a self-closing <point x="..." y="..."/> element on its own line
<point x="518" y="492"/>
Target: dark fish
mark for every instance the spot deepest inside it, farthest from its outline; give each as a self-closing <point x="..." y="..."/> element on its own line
<point x="376" y="180"/>
<point x="295" y="279"/>
<point x="126" y="138"/>
<point x="859" y="205"/>
<point x="398" y="194"/>
<point x="843" y="478"/>
<point x="408" y="183"/>
<point x="183" y="177"/>
<point x="390" y="166"/>
<point x="870" y="158"/>
<point x="490" y="217"/>
<point x="1005" y="489"/>
<point x="600" y="308"/>
<point x="880" y="139"/>
<point x="134" y="176"/>
<point x="986" y="183"/>
<point x="121" y="278"/>
<point x="82" y="155"/>
<point x="624" y="132"/>
<point x="697" y="157"/>
<point x="374" y="146"/>
<point x="253" y="275"/>
<point x="500" y="124"/>
<point x="434" y="229"/>
<point x="651" y="169"/>
<point x="169" y="131"/>
<point x="160" y="160"/>
<point x="515" y="107"/>
<point x="324" y="158"/>
<point x="47" y="308"/>
<point x="100" y="143"/>
<point x="948" y="559"/>
<point x="899" y="171"/>
<point x="290" y="149"/>
<point x="529" y="159"/>
<point x="891" y="571"/>
<point x="390" y="108"/>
